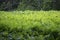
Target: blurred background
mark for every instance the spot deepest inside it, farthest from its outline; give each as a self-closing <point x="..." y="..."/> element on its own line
<point x="10" y="5"/>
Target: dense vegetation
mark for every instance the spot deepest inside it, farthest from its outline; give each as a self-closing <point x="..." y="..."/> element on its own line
<point x="29" y="20"/>
<point x="30" y="25"/>
<point x="29" y="5"/>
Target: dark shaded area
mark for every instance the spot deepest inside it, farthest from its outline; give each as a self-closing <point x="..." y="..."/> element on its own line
<point x="30" y="34"/>
<point x="58" y="4"/>
<point x="10" y="5"/>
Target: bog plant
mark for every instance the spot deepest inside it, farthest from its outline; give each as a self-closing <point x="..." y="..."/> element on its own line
<point x="30" y="25"/>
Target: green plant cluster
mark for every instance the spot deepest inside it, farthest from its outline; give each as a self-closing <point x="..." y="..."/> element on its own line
<point x="37" y="5"/>
<point x="30" y="25"/>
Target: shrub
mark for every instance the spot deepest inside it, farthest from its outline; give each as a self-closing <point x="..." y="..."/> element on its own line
<point x="30" y="25"/>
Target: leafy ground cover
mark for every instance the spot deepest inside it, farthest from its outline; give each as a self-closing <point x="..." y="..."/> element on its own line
<point x="30" y="25"/>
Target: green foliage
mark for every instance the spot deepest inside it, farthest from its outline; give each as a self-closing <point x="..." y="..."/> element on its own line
<point x="30" y="5"/>
<point x="30" y="25"/>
